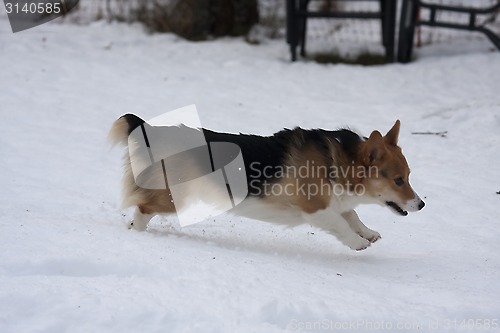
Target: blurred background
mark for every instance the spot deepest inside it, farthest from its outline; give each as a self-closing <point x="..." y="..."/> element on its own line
<point x="258" y="20"/>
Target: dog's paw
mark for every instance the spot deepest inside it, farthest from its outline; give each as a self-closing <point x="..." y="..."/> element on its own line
<point x="358" y="243"/>
<point x="370" y="235"/>
<point x="374" y="238"/>
<point x="137" y="226"/>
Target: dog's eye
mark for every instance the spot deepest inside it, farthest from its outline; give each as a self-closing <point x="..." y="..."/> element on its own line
<point x="399" y="181"/>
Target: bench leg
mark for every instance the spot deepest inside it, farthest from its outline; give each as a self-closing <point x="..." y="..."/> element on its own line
<point x="408" y="19"/>
<point x="291" y="27"/>
<point x="388" y="11"/>
<point x="303" y="27"/>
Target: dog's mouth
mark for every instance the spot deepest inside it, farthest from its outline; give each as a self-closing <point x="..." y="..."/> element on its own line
<point x="396" y="208"/>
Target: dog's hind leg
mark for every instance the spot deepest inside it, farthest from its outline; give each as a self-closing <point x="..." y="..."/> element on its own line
<point x="355" y="223"/>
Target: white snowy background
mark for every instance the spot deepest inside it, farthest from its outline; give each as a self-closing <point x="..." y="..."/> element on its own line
<point x="69" y="264"/>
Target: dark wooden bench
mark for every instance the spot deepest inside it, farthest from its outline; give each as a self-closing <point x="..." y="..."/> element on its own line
<point x="410" y="19"/>
<point x="298" y="13"/>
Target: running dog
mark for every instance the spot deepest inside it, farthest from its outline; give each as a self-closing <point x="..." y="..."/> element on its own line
<point x="293" y="177"/>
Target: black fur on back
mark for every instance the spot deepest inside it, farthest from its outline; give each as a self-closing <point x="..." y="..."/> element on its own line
<point x="133" y="122"/>
<point x="257" y="151"/>
<point x="273" y="151"/>
<point x="348" y="140"/>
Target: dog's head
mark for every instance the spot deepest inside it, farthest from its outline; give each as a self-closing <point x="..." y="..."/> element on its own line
<point x="388" y="178"/>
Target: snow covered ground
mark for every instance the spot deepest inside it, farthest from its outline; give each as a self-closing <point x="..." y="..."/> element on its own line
<point x="69" y="264"/>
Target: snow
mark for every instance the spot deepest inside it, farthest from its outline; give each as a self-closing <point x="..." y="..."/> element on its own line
<point x="68" y="263"/>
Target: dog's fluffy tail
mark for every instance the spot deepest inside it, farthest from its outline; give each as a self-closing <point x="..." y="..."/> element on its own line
<point x="122" y="128"/>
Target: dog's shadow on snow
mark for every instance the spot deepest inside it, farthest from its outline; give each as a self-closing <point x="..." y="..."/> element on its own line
<point x="304" y="243"/>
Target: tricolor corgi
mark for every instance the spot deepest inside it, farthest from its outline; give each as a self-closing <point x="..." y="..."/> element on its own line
<point x="292" y="177"/>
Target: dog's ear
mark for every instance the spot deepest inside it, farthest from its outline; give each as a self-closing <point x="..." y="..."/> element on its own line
<point x="391" y="138"/>
<point x="375" y="147"/>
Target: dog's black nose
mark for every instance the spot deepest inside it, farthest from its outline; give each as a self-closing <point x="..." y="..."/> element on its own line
<point x="421" y="205"/>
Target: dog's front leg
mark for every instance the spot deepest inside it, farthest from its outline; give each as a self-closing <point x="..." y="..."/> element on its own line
<point x="355" y="223"/>
<point x="337" y="225"/>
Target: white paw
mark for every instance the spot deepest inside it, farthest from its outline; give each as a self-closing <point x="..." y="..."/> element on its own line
<point x="137" y="225"/>
<point x="357" y="243"/>
<point x="371" y="235"/>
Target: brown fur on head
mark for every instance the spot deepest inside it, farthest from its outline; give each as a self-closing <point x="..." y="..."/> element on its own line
<point x="390" y="183"/>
